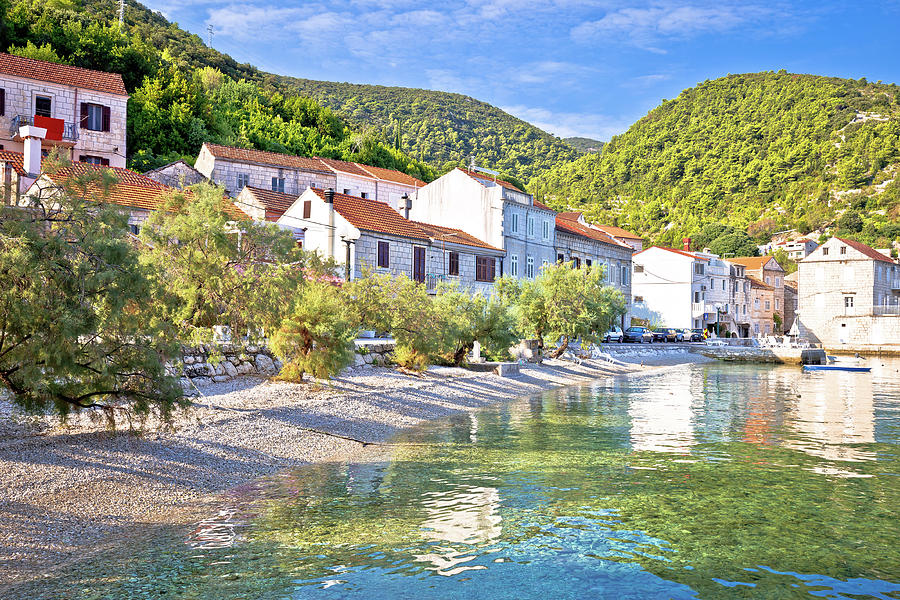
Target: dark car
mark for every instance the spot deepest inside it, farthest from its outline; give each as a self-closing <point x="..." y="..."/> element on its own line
<point x="637" y="334"/>
<point x="696" y="335"/>
<point x="660" y="334"/>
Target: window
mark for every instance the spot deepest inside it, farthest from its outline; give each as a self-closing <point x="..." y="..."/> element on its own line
<point x="514" y="226"/>
<point x="135" y="229"/>
<point x="346" y="192"/>
<point x="243" y="179"/>
<point x="777" y="304"/>
<point x="453" y="264"/>
<point x="698" y="269"/>
<point x="696" y="296"/>
<point x="825" y="251"/>
<point x="364" y="194"/>
<point x="530" y="226"/>
<point x="778" y="282"/>
<point x="756" y="303"/>
<point x="723" y="285"/>
<point x="768" y="305"/>
<point x="93" y="160"/>
<point x="94" y="117"/>
<point x="624" y="275"/>
<point x="307" y="209"/>
<point x="577" y="262"/>
<point x="546" y="230"/>
<point x="768" y="280"/>
<point x="514" y="265"/>
<point x="278" y="184"/>
<point x="2" y="101"/>
<point x="560" y="258"/>
<point x="43" y="106"/>
<point x="529" y="267"/>
<point x="848" y="301"/>
<point x="384" y="255"/>
<point x="588" y="262"/>
<point x="638" y="299"/>
<point x="638" y="268"/>
<point x="843" y="249"/>
<point x="484" y="268"/>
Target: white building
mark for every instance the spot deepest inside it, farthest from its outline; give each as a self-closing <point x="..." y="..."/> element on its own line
<point x="797" y="249"/>
<point x="80" y="111"/>
<point x="494" y="211"/>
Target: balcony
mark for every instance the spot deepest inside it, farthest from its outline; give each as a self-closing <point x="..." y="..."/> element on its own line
<point x="886" y="310"/>
<point x="698" y="309"/>
<point x="58" y="131"/>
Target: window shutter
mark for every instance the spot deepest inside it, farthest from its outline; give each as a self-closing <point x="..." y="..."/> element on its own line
<point x="2" y="101"/>
<point x="307" y="209"/>
<point x="106" y="118"/>
<point x="104" y="162"/>
<point x="84" y="116"/>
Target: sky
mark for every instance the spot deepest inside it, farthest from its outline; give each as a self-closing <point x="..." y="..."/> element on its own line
<point x="574" y="68"/>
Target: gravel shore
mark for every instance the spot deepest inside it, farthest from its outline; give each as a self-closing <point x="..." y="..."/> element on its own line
<point x="68" y="489"/>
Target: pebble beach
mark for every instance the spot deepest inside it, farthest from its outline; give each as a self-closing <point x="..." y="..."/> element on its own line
<point x="68" y="488"/>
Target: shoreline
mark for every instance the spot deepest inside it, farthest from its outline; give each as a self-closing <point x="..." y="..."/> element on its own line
<point x="71" y="490"/>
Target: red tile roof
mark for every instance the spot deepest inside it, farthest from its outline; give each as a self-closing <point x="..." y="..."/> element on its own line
<point x="344" y="167"/>
<point x="574" y="227"/>
<point x="756" y="283"/>
<point x="274" y="203"/>
<point x="264" y="157"/>
<point x="14" y="159"/>
<point x="486" y="177"/>
<point x="39" y="70"/>
<point x="392" y="175"/>
<point x="681" y="252"/>
<point x="455" y="236"/>
<point x="618" y="232"/>
<point x="867" y="250"/>
<point x="372" y="215"/>
<point x="752" y="262"/>
<point x="543" y="206"/>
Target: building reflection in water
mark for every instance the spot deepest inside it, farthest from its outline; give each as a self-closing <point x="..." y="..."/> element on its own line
<point x="662" y="418"/>
<point x="466" y="515"/>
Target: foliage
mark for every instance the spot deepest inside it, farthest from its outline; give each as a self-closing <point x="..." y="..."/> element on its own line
<point x="317" y="335"/>
<point x="466" y="318"/>
<point x="781" y="257"/>
<point x="584" y="144"/>
<point x="78" y="325"/>
<point x="218" y="272"/>
<point x="724" y="240"/>
<point x="743" y="150"/>
<point x="29" y="50"/>
<point x="564" y="303"/>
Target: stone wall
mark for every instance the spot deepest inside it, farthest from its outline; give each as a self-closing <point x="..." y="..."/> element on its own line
<point x="200" y="368"/>
<point x="374" y="352"/>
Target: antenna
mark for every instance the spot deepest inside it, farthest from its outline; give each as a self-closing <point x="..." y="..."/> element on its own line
<point x="209" y="34"/>
<point x="121" y="13"/>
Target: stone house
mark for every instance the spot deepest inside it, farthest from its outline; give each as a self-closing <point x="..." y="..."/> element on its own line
<point x="79" y="111"/>
<point x="262" y="204"/>
<point x="365" y="234"/>
<point x="583" y="244"/>
<point x="495" y="212"/>
<point x="797" y="249"/>
<point x="849" y="297"/>
<point x="234" y="168"/>
<point x="178" y="175"/>
<point x="767" y="270"/>
<point x="622" y="235"/>
<point x="762" y="311"/>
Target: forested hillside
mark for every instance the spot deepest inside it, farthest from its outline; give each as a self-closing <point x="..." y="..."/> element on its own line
<point x="584" y="144"/>
<point x="766" y="152"/>
<point x="397" y="127"/>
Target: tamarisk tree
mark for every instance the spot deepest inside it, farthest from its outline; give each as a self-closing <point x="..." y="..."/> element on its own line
<point x="78" y="325"/>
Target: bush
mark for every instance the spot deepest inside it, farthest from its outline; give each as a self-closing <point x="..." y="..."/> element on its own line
<point x="317" y="336"/>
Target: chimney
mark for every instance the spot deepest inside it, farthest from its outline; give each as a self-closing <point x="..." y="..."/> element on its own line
<point x="407" y="205"/>
<point x="686" y="244"/>
<point x="31" y="137"/>
<point x="329" y="205"/>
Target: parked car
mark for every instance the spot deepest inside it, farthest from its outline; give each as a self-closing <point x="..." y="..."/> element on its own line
<point x="660" y="334"/>
<point x="677" y="335"/>
<point x="613" y="335"/>
<point x="697" y="335"/>
<point x="638" y="334"/>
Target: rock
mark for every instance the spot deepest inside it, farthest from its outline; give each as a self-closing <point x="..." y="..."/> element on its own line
<point x="230" y="369"/>
<point x="367" y="358"/>
<point x="244" y="368"/>
<point x="221" y="378"/>
<point x="265" y="365"/>
<point x="278" y="365"/>
<point x="252" y="349"/>
<point x="220" y="370"/>
<point x="188" y="360"/>
<point x="185" y="383"/>
<point x="358" y="360"/>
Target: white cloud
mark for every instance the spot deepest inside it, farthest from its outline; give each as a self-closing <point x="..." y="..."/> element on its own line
<point x="570" y="124"/>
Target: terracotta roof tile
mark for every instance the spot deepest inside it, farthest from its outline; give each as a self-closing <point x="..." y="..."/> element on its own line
<point x="543" y="206"/>
<point x="39" y="70"/>
<point x="345" y="167"/>
<point x="751" y="262"/>
<point x="867" y="250"/>
<point x="486" y="177"/>
<point x="574" y="227"/>
<point x="372" y="215"/>
<point x="264" y="157"/>
<point x="275" y="203"/>
<point x="618" y="232"/>
<point x="15" y="159"/>
<point x="392" y="175"/>
<point x="756" y="283"/>
<point x="455" y="236"/>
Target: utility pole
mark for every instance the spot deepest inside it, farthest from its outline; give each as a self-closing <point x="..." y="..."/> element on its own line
<point x="209" y="34"/>
<point x="121" y="13"/>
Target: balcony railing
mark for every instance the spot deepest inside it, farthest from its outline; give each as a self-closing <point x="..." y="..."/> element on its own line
<point x="65" y="131"/>
<point x="886" y="309"/>
<point x="698" y="309"/>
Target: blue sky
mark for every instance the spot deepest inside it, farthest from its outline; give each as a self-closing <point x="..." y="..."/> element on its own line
<point x="589" y="67"/>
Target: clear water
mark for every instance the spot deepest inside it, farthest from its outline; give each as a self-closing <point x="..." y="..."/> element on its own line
<point x="717" y="481"/>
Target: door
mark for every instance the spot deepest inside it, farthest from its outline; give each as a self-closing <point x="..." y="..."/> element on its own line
<point x="419" y="264"/>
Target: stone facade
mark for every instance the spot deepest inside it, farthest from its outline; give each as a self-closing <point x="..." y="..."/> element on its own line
<point x="849" y="297"/>
<point x="177" y="175"/>
<point x="762" y="302"/>
<point x="226" y="174"/>
<point x="65" y="103"/>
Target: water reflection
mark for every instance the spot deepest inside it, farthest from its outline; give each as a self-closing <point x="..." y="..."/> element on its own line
<point x="709" y="482"/>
